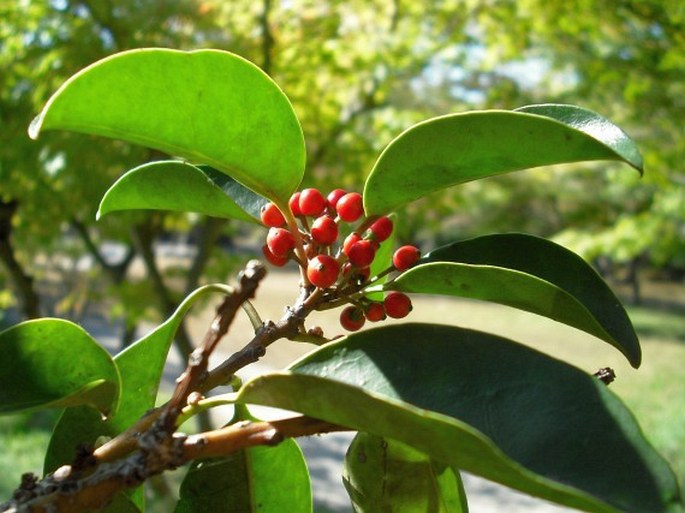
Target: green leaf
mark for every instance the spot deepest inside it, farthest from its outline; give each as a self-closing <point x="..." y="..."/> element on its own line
<point x="592" y="124"/>
<point x="206" y="106"/>
<point x="458" y="148"/>
<point x="51" y="363"/>
<point x="382" y="261"/>
<point x="384" y="475"/>
<point x="181" y="187"/>
<point x="486" y="405"/>
<point x="141" y="366"/>
<point x="258" y="479"/>
<point x="529" y="273"/>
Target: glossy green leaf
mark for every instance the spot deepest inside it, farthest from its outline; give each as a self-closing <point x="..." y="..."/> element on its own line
<point x="258" y="479"/>
<point x="141" y="366"/>
<point x="181" y="187"/>
<point x="486" y="405"/>
<point x="458" y="148"/>
<point x="529" y="273"/>
<point x="207" y="106"/>
<point x="52" y="363"/>
<point x="385" y="475"/>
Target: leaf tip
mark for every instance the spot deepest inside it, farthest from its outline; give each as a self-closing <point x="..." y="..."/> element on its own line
<point x="35" y="126"/>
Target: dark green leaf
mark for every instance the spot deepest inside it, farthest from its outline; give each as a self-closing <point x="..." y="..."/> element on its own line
<point x="181" y="187"/>
<point x="486" y="405"/>
<point x="458" y="148"/>
<point x="141" y="366"/>
<point x="258" y="479"/>
<point x="206" y="106"/>
<point x="532" y="274"/>
<point x="52" y="363"/>
<point x="384" y="475"/>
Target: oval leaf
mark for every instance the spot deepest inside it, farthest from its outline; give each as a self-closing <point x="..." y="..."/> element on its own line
<point x="207" y="106"/>
<point x="141" y="366"/>
<point x="484" y="404"/>
<point x="181" y="187"/>
<point x="384" y="475"/>
<point x="458" y="148"/>
<point x="258" y="479"/>
<point x="532" y="274"/>
<point x="50" y="363"/>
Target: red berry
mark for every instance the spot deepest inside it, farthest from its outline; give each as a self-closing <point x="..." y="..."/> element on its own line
<point x="405" y="257"/>
<point x="334" y="196"/>
<point x="381" y="229"/>
<point x="294" y="204"/>
<point x="323" y="271"/>
<point x="397" y="305"/>
<point x="280" y="241"/>
<point x="352" y="318"/>
<point x="271" y="215"/>
<point x="273" y="259"/>
<point x="324" y="230"/>
<point x="375" y="312"/>
<point x="349" y="241"/>
<point x="312" y="203"/>
<point x="361" y="253"/>
<point x="350" y="207"/>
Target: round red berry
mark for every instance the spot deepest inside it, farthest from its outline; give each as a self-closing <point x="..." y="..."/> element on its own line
<point x="375" y="312"/>
<point x="405" y="257"/>
<point x="349" y="241"/>
<point x="397" y="305"/>
<point x="273" y="259"/>
<point x="323" y="271"/>
<point x="280" y="241"/>
<point x="334" y="196"/>
<point x="381" y="229"/>
<point x="324" y="230"/>
<point x="356" y="274"/>
<point x="294" y="204"/>
<point x="312" y="203"/>
<point x="352" y="318"/>
<point x="271" y="215"/>
<point x="361" y="253"/>
<point x="350" y="207"/>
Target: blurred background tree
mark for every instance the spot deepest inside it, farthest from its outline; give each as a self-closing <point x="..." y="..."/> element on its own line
<point x="358" y="73"/>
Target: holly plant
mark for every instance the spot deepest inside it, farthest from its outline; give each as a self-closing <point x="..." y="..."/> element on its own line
<point x="426" y="401"/>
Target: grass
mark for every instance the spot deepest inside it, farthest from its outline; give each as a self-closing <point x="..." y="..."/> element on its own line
<point x="655" y="392"/>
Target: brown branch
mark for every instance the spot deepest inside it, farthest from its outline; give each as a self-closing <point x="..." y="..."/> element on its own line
<point x="69" y="489"/>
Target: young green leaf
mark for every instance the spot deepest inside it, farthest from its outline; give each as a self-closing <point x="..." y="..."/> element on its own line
<point x="257" y="479"/>
<point x="458" y="148"/>
<point x="141" y="365"/>
<point x="52" y="363"/>
<point x="529" y="273"/>
<point x="206" y="106"/>
<point x="486" y="405"/>
<point x="385" y="475"/>
<point x="181" y="187"/>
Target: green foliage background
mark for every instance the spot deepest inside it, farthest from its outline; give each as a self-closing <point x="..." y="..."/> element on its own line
<point x="358" y="73"/>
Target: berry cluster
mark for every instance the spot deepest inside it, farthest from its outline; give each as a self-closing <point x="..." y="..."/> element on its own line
<point x="341" y="272"/>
